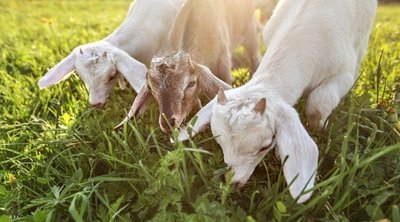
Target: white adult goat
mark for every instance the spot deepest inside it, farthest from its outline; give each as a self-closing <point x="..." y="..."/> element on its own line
<point x="142" y="34"/>
<point x="315" y="48"/>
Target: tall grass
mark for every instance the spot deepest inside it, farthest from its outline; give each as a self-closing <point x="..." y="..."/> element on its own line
<point x="61" y="161"/>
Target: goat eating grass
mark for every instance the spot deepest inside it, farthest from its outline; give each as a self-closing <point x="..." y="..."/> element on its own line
<point x="176" y="82"/>
<point x="315" y="48"/>
<point x="100" y="64"/>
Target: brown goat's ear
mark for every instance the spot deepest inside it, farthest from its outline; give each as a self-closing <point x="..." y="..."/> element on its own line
<point x="208" y="82"/>
<point x="260" y="106"/>
<point x="221" y="98"/>
<point x="139" y="105"/>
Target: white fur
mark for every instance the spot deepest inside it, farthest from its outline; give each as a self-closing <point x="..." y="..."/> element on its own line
<point x="315" y="48"/>
<point x="141" y="35"/>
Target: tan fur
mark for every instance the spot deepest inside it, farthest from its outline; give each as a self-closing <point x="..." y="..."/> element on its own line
<point x="209" y="30"/>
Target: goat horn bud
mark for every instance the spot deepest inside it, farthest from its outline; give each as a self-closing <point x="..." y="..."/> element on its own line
<point x="260" y="106"/>
<point x="221" y="98"/>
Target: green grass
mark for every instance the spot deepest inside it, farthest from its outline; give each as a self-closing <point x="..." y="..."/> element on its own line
<point x="61" y="161"/>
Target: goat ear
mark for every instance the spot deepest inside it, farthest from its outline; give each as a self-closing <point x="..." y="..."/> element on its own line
<point x="208" y="82"/>
<point x="133" y="70"/>
<point x="139" y="105"/>
<point x="59" y="72"/>
<point x="294" y="143"/>
<point x="203" y="118"/>
<point x="121" y="82"/>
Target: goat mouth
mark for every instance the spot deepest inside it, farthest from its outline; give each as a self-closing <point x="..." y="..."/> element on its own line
<point x="168" y="129"/>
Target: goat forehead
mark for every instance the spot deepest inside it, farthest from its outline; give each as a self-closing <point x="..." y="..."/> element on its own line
<point x="239" y="115"/>
<point x="160" y="81"/>
<point x="239" y="123"/>
<point x="172" y="64"/>
<point x="91" y="62"/>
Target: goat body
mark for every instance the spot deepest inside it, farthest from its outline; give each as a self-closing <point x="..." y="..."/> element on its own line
<point x="315" y="47"/>
<point x="208" y="30"/>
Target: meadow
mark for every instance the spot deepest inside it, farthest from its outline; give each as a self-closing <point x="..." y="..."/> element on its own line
<point x="60" y="160"/>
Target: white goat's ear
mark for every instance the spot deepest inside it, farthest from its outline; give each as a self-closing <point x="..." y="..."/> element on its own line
<point x="294" y="143"/>
<point x="221" y="97"/>
<point x="139" y="105"/>
<point x="133" y="70"/>
<point x="208" y="82"/>
<point x="121" y="82"/>
<point x="260" y="106"/>
<point x="203" y="118"/>
<point x="59" y="72"/>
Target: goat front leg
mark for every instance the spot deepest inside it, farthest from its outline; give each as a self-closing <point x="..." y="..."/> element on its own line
<point x="224" y="66"/>
<point x="324" y="98"/>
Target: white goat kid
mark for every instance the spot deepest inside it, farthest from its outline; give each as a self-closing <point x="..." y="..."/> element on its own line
<point x="315" y="47"/>
<point x="142" y="34"/>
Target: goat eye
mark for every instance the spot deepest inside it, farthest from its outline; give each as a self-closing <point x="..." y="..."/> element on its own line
<point x="191" y="84"/>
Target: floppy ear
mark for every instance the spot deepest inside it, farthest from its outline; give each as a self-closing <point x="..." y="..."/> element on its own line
<point x="208" y="82"/>
<point x="139" y="105"/>
<point x="203" y="118"/>
<point x="59" y="72"/>
<point x="294" y="143"/>
<point x="133" y="70"/>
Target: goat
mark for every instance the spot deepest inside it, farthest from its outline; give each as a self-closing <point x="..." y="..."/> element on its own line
<point x="175" y="82"/>
<point x="315" y="48"/>
<point x="206" y="29"/>
<point x="141" y="35"/>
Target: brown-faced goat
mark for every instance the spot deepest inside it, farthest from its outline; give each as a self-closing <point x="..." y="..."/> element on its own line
<point x="207" y="30"/>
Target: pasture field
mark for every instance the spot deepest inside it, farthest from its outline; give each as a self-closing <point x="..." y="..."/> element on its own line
<point x="61" y="161"/>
